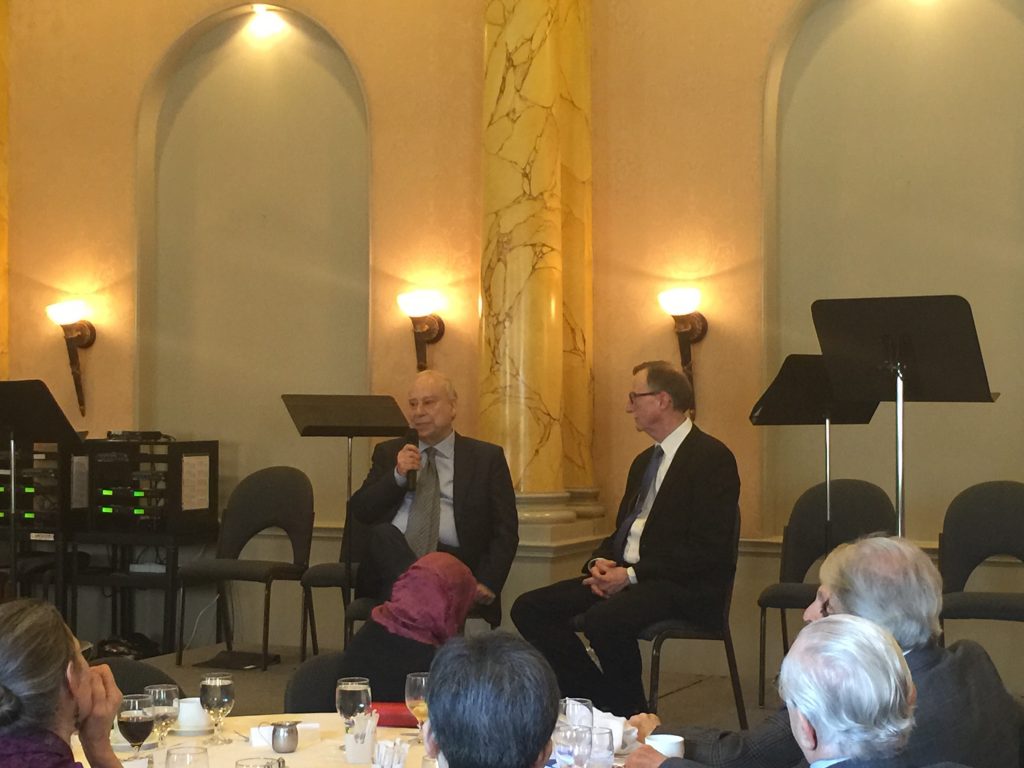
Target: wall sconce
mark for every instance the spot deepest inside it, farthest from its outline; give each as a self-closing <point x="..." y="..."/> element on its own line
<point x="79" y="333"/>
<point x="691" y="325"/>
<point x="427" y="326"/>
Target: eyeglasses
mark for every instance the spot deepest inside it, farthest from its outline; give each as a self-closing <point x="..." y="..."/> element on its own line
<point x="634" y="395"/>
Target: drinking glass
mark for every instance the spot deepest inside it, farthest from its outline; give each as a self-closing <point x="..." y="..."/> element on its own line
<point x="165" y="709"/>
<point x="352" y="697"/>
<point x="135" y="720"/>
<point x="572" y="745"/>
<point x="217" y="695"/>
<point x="576" y="711"/>
<point x="602" y="748"/>
<point x="416" y="697"/>
<point x="187" y="757"/>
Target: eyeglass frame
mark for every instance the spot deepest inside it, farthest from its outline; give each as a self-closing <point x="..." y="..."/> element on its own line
<point x="634" y="395"/>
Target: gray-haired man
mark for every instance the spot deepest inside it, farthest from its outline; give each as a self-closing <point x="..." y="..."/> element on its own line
<point x="964" y="713"/>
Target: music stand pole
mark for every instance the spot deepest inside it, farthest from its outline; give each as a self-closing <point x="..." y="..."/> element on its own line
<point x="828" y="482"/>
<point x="15" y="581"/>
<point x="900" y="511"/>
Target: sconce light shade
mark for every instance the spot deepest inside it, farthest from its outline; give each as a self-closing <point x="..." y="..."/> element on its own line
<point x="79" y="333"/>
<point x="680" y="301"/>
<point x="427" y="326"/>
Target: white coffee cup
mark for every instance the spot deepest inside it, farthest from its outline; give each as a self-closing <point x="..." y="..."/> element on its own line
<point x="667" y="744"/>
<point x="191" y="715"/>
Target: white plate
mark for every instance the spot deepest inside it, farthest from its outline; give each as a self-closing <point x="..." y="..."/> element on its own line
<point x="191" y="731"/>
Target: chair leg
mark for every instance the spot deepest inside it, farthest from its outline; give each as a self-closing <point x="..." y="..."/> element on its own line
<point x="760" y="661"/>
<point x="303" y="626"/>
<point x="652" y="698"/>
<point x="737" y="691"/>
<point x="785" y="631"/>
<point x="266" y="624"/>
<point x="181" y="625"/>
<point x="225" y="617"/>
<point x="312" y="626"/>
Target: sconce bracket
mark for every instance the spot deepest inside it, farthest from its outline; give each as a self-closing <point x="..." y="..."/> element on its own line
<point x="426" y="329"/>
<point x="693" y="326"/>
<point x="82" y="333"/>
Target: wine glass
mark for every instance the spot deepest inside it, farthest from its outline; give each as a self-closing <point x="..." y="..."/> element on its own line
<point x="135" y="720"/>
<point x="187" y="757"/>
<point x="572" y="745"/>
<point x="217" y="695"/>
<point x="352" y="697"/>
<point x="165" y="709"/>
<point x="576" y="711"/>
<point x="602" y="748"/>
<point x="416" y="697"/>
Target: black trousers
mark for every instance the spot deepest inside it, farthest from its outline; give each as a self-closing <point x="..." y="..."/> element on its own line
<point x="611" y="625"/>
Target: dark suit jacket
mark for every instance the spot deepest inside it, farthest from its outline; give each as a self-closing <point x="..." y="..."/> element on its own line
<point x="690" y="532"/>
<point x="483" y="502"/>
<point x="963" y="715"/>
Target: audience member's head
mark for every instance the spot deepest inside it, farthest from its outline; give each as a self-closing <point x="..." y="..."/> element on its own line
<point x="36" y="651"/>
<point x="664" y="377"/>
<point x="429" y="602"/>
<point x="848" y="690"/>
<point x="432" y="405"/>
<point x="887" y="580"/>
<point x="493" y="703"/>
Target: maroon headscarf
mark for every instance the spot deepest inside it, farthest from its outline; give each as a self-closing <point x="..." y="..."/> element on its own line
<point x="429" y="602"/>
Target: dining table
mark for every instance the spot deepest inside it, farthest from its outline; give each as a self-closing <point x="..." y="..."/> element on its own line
<point x="321" y="737"/>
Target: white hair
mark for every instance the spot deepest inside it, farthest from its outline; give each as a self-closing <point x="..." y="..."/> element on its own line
<point x="848" y="677"/>
<point x="891" y="582"/>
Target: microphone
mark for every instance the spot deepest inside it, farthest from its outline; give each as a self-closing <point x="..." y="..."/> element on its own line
<point x="412" y="437"/>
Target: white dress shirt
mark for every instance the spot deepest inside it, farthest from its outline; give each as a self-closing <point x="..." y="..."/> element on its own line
<point x="670" y="445"/>
<point x="444" y="457"/>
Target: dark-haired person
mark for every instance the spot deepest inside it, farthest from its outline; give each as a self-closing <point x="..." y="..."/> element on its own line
<point x="47" y="691"/>
<point x="428" y="606"/>
<point x="493" y="703"/>
<point x="463" y="502"/>
<point x="670" y="556"/>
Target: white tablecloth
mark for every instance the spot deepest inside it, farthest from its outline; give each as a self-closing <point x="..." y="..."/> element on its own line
<point x="312" y="752"/>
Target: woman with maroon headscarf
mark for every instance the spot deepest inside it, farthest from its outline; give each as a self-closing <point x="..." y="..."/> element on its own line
<point x="428" y="605"/>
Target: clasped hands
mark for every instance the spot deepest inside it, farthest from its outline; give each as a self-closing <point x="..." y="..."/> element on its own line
<point x="606" y="577"/>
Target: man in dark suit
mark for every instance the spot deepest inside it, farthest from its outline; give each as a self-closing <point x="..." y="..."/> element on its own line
<point x="463" y="502"/>
<point x="964" y="713"/>
<point x="670" y="556"/>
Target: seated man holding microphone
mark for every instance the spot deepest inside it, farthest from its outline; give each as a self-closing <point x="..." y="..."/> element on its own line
<point x="437" y="490"/>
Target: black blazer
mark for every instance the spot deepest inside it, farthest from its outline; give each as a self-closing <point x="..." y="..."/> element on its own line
<point x="484" y="504"/>
<point x="690" y="531"/>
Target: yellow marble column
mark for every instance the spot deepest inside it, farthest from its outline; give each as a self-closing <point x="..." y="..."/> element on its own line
<point x="5" y="304"/>
<point x="537" y="316"/>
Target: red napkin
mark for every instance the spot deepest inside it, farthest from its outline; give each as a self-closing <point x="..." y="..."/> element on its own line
<point x="394" y="714"/>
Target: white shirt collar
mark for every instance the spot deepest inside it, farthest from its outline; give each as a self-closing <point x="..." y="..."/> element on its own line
<point x="674" y="439"/>
<point x="444" y="448"/>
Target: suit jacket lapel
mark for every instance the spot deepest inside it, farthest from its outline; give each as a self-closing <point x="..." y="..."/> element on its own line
<point x="462" y="470"/>
<point x="677" y="472"/>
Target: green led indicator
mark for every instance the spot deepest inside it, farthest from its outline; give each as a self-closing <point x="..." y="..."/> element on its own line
<point x="30" y="515"/>
<point x="138" y="494"/>
<point x="107" y="492"/>
<point x="138" y="511"/>
<point x="30" y="489"/>
<point x="107" y="510"/>
<point x="3" y="489"/>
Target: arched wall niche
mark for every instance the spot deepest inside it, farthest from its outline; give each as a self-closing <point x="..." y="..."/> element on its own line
<point x="891" y="129"/>
<point x="253" y="261"/>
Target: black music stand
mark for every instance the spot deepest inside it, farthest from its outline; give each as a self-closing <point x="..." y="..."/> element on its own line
<point x="29" y="414"/>
<point x="916" y="348"/>
<point x="802" y="394"/>
<point x="346" y="416"/>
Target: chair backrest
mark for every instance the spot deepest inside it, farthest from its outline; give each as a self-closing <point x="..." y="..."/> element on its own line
<point x="858" y="508"/>
<point x="983" y="521"/>
<point x="735" y="556"/>
<point x="275" y="497"/>
<point x="133" y="676"/>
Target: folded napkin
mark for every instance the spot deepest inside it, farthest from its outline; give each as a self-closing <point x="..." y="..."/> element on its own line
<point x="617" y="724"/>
<point x="394" y="714"/>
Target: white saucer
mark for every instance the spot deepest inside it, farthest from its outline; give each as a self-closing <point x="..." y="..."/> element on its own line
<point x="191" y="731"/>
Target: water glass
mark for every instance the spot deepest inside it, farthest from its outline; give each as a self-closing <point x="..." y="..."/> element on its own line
<point x="187" y="757"/>
<point x="575" y="711"/>
<point x="352" y="697"/>
<point x="572" y="745"/>
<point x="165" y="709"/>
<point x="217" y="695"/>
<point x="602" y="748"/>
